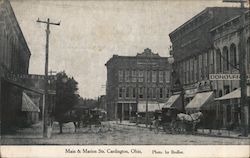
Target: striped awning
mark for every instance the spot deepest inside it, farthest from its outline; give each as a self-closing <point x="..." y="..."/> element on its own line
<point x="28" y="104"/>
<point x="236" y="94"/>
<point x="200" y="100"/>
<point x="174" y="101"/>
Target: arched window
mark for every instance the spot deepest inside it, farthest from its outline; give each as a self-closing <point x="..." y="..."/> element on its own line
<point x="233" y="55"/>
<point x="225" y="59"/>
<point x="218" y="61"/>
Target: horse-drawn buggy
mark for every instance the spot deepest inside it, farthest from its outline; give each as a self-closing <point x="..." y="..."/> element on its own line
<point x="84" y="119"/>
<point x="171" y="120"/>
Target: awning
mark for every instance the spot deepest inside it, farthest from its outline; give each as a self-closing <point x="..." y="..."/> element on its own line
<point x="28" y="104"/>
<point x="152" y="106"/>
<point x="236" y="94"/>
<point x="174" y="102"/>
<point x="200" y="101"/>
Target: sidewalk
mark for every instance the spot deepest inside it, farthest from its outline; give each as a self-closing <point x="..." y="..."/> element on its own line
<point x="204" y="132"/>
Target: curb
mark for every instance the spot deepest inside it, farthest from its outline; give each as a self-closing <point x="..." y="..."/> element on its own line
<point x="200" y="134"/>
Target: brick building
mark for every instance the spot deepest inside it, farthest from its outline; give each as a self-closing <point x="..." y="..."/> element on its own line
<point x="14" y="58"/>
<point x="136" y="81"/>
<point x="226" y="41"/>
<point x="207" y="44"/>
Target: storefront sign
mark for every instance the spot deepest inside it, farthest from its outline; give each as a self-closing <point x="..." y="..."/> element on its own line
<point x="226" y="77"/>
<point x="15" y="77"/>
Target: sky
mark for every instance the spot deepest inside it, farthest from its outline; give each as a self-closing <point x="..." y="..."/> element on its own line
<point x="91" y="31"/>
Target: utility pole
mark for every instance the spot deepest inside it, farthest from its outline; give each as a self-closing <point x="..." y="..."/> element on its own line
<point x="243" y="76"/>
<point x="46" y="122"/>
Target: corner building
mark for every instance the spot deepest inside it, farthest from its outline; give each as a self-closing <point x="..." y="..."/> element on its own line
<point x="134" y="82"/>
<point x="207" y="44"/>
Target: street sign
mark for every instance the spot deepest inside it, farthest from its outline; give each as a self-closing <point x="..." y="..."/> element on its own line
<point x="226" y="77"/>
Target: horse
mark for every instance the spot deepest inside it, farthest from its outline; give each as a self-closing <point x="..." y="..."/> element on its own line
<point x="68" y="117"/>
<point x="185" y="120"/>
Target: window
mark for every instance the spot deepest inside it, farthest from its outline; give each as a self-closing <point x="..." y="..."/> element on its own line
<point x="127" y="92"/>
<point x="200" y="68"/>
<point x="134" y="76"/>
<point x="205" y="65"/>
<point x="154" y="76"/>
<point x="148" y="75"/>
<point x="218" y="61"/>
<point x="154" y="93"/>
<point x="195" y="69"/>
<point x="161" y="76"/>
<point x="120" y="92"/>
<point x="161" y="92"/>
<point x="233" y="55"/>
<point x="120" y="75"/>
<point x="225" y="59"/>
<point x="127" y="76"/>
<point x="191" y="70"/>
<point x="140" y="76"/>
<point x="167" y="76"/>
<point x="211" y="62"/>
<point x="141" y="92"/>
<point x="148" y="93"/>
<point x="134" y="92"/>
<point x="167" y="92"/>
<point x="226" y="89"/>
<point x="187" y="71"/>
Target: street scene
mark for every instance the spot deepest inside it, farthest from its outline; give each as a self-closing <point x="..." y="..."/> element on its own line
<point x="124" y="72"/>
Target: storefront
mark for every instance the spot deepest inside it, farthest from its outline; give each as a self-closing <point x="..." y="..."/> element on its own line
<point x="228" y="109"/>
<point x="204" y="102"/>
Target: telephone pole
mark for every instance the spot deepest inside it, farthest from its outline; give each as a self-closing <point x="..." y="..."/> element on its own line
<point x="46" y="122"/>
<point x="242" y="68"/>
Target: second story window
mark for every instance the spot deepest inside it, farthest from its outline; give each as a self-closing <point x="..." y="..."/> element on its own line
<point x="167" y="92"/>
<point x="134" y="76"/>
<point x="140" y="76"/>
<point x="127" y="76"/>
<point x="154" y="76"/>
<point x="141" y="92"/>
<point x="127" y="92"/>
<point x="120" y="92"/>
<point x="134" y="92"/>
<point x="120" y="75"/>
<point x="161" y="92"/>
<point x="167" y="76"/>
<point x="154" y="93"/>
<point x="161" y="76"/>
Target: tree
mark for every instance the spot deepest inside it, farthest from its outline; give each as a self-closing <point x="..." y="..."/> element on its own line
<point x="66" y="93"/>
